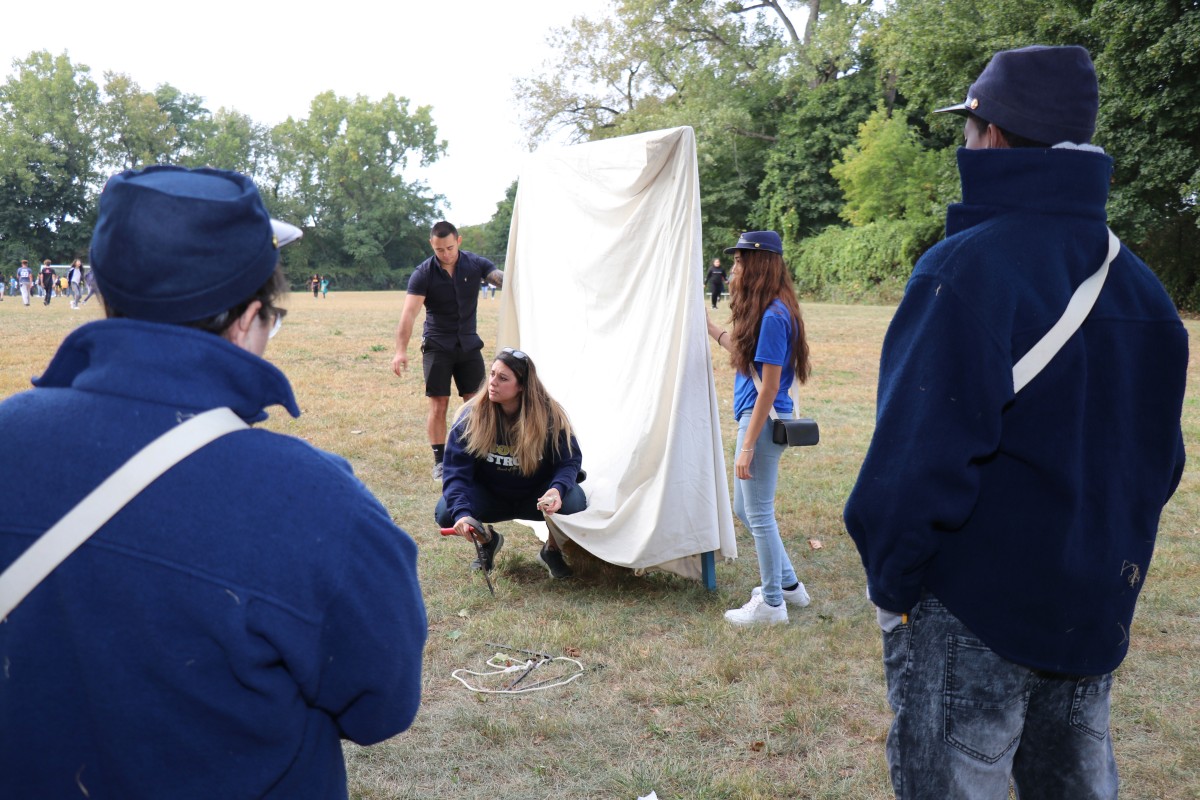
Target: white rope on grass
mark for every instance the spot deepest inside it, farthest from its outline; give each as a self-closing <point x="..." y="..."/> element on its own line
<point x="505" y="665"/>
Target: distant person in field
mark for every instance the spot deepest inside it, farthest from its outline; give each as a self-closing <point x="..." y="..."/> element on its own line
<point x="227" y="629"/>
<point x="324" y="286"/>
<point x="74" y="279"/>
<point x="1006" y="520"/>
<point x="48" y="281"/>
<point x="446" y="284"/>
<point x="716" y="280"/>
<point x="511" y="455"/>
<point x="25" y="280"/>
<point x="89" y="278"/>
<point x="314" y="283"/>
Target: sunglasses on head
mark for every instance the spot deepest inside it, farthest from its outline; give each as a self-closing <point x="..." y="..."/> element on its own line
<point x="515" y="353"/>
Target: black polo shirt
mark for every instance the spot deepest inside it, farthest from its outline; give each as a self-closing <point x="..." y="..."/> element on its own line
<point x="450" y="304"/>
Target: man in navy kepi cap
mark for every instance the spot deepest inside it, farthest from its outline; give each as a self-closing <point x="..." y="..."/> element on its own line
<point x="227" y="628"/>
<point x="1005" y="524"/>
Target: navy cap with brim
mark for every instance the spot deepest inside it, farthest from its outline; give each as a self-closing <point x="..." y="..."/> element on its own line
<point x="180" y="245"/>
<point x="1044" y="94"/>
<point x="758" y="240"/>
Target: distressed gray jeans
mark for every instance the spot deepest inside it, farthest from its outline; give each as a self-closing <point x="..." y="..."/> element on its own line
<point x="968" y="722"/>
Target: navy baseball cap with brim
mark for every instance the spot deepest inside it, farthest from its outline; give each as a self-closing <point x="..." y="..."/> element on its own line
<point x="180" y="245"/>
<point x="758" y="240"/>
<point x="1045" y="94"/>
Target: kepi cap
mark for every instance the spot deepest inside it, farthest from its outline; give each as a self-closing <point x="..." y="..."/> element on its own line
<point x="1045" y="94"/>
<point x="758" y="240"/>
<point x="179" y="245"/>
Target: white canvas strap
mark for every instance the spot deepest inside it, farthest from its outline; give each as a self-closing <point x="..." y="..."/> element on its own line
<point x="1078" y="308"/>
<point x="53" y="547"/>
<point x="771" y="408"/>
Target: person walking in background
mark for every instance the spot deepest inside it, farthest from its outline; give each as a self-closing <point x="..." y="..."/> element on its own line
<point x="511" y="455"/>
<point x="89" y="278"/>
<point x="253" y="629"/>
<point x="74" y="278"/>
<point x="769" y="352"/>
<point x="324" y="286"/>
<point x="48" y="280"/>
<point x="450" y="346"/>
<point x="716" y="280"/>
<point x="25" y="280"/>
<point x="1006" y="520"/>
<point x="314" y="283"/>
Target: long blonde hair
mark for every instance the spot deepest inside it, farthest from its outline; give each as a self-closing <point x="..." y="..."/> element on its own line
<point x="540" y="420"/>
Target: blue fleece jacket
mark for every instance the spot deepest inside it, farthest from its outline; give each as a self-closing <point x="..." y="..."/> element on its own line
<point x="500" y="474"/>
<point x="1032" y="517"/>
<point x="225" y="630"/>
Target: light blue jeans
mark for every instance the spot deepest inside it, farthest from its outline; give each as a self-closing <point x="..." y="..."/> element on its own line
<point x="754" y="505"/>
<point x="968" y="721"/>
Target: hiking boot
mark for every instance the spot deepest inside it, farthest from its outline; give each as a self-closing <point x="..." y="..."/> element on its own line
<point x="554" y="562"/>
<point x="796" y="597"/>
<point x="489" y="548"/>
<point x="437" y="471"/>
<point x="757" y="612"/>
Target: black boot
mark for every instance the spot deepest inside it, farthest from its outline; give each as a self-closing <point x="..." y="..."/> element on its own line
<point x="489" y="549"/>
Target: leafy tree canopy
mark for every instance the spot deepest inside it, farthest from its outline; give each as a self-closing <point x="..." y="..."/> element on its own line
<point x="49" y="110"/>
<point x="338" y="172"/>
<point x="777" y="91"/>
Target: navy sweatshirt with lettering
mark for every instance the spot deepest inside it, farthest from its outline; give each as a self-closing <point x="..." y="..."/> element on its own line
<point x="463" y="474"/>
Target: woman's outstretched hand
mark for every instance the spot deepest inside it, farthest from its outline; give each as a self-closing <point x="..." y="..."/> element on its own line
<point x="550" y="502"/>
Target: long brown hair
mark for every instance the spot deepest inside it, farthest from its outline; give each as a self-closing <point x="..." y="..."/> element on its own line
<point x="762" y="278"/>
<point x="540" y="419"/>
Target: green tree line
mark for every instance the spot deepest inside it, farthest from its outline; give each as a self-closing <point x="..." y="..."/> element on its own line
<point x="338" y="173"/>
<point x="813" y="117"/>
<point x="491" y="238"/>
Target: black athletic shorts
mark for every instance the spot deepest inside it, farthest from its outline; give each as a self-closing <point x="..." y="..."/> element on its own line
<point x="466" y="367"/>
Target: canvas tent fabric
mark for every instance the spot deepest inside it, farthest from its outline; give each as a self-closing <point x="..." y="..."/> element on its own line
<point x="604" y="289"/>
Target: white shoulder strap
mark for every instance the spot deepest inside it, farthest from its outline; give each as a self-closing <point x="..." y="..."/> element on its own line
<point x="771" y="409"/>
<point x="1078" y="308"/>
<point x="53" y="547"/>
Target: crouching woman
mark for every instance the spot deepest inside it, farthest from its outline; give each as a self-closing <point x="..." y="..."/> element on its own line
<point x="511" y="454"/>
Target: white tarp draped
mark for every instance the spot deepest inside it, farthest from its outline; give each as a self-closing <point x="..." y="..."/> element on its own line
<point x="604" y="289"/>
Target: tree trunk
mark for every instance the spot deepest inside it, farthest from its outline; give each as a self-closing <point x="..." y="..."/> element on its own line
<point x="814" y="11"/>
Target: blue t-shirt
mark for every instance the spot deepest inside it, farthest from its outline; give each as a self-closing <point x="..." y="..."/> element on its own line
<point x="774" y="347"/>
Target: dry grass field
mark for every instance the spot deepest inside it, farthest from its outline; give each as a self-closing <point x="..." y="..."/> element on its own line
<point x="673" y="699"/>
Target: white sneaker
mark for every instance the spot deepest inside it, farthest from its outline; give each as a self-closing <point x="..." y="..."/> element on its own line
<point x="756" y="612"/>
<point x="797" y="597"/>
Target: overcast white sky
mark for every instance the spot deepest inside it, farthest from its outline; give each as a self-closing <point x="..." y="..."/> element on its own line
<point x="269" y="59"/>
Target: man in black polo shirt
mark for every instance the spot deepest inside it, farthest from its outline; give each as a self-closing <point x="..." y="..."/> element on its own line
<point x="448" y="286"/>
